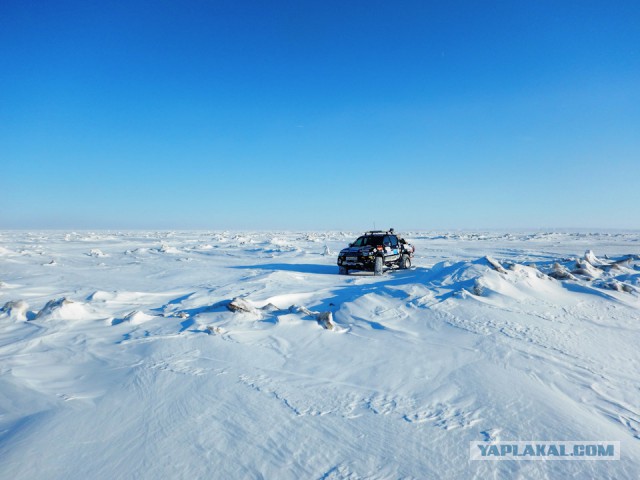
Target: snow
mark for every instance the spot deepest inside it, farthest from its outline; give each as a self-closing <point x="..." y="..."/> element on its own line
<point x="133" y="363"/>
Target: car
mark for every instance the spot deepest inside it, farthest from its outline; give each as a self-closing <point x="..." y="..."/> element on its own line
<point x="374" y="251"/>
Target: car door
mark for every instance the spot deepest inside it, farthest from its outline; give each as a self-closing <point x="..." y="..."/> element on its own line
<point x="391" y="248"/>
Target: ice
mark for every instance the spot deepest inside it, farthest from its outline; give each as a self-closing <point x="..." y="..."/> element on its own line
<point x="15" y="310"/>
<point x="131" y="364"/>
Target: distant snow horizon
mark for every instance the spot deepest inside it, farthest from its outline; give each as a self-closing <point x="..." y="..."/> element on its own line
<point x="503" y="230"/>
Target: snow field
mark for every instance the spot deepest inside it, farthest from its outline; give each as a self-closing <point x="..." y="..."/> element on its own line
<point x="129" y="363"/>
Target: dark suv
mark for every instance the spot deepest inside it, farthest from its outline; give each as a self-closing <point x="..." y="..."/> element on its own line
<point x="374" y="251"/>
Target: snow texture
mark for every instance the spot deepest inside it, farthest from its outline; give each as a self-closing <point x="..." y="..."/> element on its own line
<point x="245" y="355"/>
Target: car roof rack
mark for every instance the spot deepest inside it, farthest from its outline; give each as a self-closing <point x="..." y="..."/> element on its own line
<point x="380" y="232"/>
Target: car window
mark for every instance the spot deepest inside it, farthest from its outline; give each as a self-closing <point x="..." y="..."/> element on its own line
<point x="374" y="241"/>
<point x="394" y="241"/>
<point x="371" y="241"/>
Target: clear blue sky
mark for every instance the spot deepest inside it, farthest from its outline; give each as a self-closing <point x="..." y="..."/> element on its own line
<point x="319" y="114"/>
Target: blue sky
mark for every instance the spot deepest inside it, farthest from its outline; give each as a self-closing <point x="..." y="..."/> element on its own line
<point x="319" y="115"/>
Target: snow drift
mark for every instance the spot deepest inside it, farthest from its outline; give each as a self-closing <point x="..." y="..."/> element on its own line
<point x="236" y="365"/>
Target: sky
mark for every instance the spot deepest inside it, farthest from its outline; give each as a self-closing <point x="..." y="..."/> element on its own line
<point x="319" y="114"/>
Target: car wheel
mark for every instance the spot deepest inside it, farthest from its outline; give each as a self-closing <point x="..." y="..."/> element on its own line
<point x="405" y="262"/>
<point x="343" y="270"/>
<point x="377" y="266"/>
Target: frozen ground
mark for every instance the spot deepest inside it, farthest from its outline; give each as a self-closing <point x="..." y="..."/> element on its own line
<point x="120" y="359"/>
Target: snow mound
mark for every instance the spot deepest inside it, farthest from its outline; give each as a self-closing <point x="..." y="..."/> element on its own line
<point x="63" y="309"/>
<point x="96" y="252"/>
<point x="324" y="319"/>
<point x="118" y="297"/>
<point x="100" y="296"/>
<point x="203" y="247"/>
<point x="239" y="304"/>
<point x="16" y="310"/>
<point x="587" y="270"/>
<point x="495" y="264"/>
<point x="137" y="251"/>
<point x="114" y="297"/>
<point x="591" y="258"/>
<point x="609" y="274"/>
<point x="616" y="285"/>
<point x="164" y="248"/>
<point x="6" y="252"/>
<point x="135" y="317"/>
<point x="560" y="272"/>
<point x="462" y="273"/>
<point x="487" y="280"/>
<point x="269" y="308"/>
<point x="242" y="305"/>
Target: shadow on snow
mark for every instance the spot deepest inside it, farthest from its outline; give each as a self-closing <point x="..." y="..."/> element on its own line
<point x="293" y="267"/>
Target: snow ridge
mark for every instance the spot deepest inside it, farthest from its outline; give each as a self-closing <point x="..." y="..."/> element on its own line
<point x="255" y="359"/>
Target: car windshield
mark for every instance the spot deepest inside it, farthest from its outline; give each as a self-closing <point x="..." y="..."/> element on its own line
<point x="371" y="241"/>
